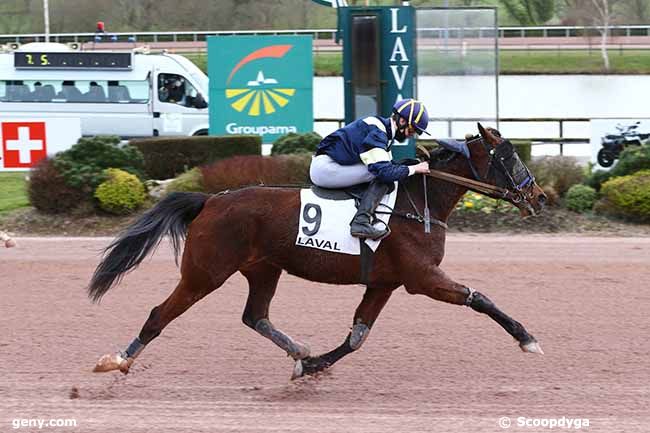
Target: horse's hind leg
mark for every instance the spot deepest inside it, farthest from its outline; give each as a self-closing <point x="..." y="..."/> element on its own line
<point x="364" y="317"/>
<point x="437" y="285"/>
<point x="4" y="237"/>
<point x="194" y="285"/>
<point x="263" y="280"/>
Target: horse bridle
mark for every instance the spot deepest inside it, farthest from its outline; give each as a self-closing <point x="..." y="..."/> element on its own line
<point x="518" y="190"/>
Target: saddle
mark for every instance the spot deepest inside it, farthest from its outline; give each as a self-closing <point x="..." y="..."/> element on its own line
<point x="354" y="191"/>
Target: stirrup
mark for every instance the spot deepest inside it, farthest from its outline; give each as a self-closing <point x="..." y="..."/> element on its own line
<point x="385" y="235"/>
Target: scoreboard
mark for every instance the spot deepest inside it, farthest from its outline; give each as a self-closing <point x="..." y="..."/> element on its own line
<point x="73" y="60"/>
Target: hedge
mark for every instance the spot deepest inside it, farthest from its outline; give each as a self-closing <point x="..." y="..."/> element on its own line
<point x="84" y="163"/>
<point x="628" y="196"/>
<point x="49" y="192"/>
<point x="558" y="173"/>
<point x="121" y="193"/>
<point x="296" y="143"/>
<point x="166" y="157"/>
<point x="580" y="198"/>
<point x="241" y="171"/>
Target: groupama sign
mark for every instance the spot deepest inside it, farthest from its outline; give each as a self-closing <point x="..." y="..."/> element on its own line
<point x="260" y="85"/>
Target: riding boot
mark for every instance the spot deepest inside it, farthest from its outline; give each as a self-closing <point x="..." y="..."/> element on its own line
<point x="361" y="225"/>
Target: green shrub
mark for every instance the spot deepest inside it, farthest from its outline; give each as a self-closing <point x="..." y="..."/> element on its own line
<point x="557" y="172"/>
<point x="580" y="198"/>
<point x="48" y="191"/>
<point x="190" y="181"/>
<point x="597" y="178"/>
<point x="167" y="157"/>
<point x="121" y="193"/>
<point x="628" y="196"/>
<point x="296" y="143"/>
<point x="631" y="160"/>
<point x="297" y="167"/>
<point x="240" y="171"/>
<point x="83" y="164"/>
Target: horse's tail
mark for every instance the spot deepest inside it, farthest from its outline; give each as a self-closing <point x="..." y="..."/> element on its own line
<point x="171" y="216"/>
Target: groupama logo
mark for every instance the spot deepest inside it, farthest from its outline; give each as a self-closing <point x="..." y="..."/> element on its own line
<point x="261" y="94"/>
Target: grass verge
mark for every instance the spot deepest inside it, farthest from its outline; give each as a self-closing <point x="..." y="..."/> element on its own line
<point x="13" y="191"/>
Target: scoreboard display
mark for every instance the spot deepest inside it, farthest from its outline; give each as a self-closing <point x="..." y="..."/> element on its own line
<point x="73" y="60"/>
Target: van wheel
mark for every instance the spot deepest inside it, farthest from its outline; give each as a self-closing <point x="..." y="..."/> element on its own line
<point x="201" y="132"/>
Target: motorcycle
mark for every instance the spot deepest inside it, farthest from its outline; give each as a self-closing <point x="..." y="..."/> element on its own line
<point x="613" y="144"/>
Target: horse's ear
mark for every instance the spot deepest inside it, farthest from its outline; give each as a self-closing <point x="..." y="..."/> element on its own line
<point x="487" y="135"/>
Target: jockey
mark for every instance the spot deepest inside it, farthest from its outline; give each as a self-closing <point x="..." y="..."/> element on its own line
<point x="360" y="153"/>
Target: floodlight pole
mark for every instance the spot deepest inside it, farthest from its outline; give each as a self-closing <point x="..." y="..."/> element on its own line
<point x="46" y="19"/>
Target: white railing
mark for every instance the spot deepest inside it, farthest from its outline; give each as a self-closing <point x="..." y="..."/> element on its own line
<point x="324" y="34"/>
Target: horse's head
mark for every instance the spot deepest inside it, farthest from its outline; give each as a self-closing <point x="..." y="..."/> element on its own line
<point x="506" y="170"/>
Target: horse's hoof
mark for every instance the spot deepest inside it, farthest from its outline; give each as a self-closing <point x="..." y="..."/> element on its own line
<point x="112" y="362"/>
<point x="298" y="370"/>
<point x="532" y="347"/>
<point x="10" y="243"/>
<point x="303" y="352"/>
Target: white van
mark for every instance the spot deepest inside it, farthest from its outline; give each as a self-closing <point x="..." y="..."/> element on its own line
<point x="129" y="94"/>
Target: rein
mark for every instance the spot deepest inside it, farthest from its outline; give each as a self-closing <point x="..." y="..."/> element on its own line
<point x="474" y="185"/>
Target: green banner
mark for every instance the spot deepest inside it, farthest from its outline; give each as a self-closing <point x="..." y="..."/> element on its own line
<point x="260" y="85"/>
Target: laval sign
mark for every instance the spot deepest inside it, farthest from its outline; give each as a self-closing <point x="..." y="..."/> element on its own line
<point x="260" y="85"/>
<point x="379" y="62"/>
<point x="26" y="141"/>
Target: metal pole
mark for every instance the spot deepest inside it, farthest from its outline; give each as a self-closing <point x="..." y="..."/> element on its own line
<point x="46" y="19"/>
<point x="496" y="62"/>
<point x="446" y="26"/>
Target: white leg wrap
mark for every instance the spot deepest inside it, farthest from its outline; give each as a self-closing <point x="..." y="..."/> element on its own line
<point x="470" y="296"/>
<point x="295" y="349"/>
<point x="358" y="335"/>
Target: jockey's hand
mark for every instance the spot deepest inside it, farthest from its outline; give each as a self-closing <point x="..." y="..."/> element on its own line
<point x="422" y="168"/>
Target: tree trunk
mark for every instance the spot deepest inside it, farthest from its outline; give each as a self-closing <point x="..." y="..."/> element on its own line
<point x="603" y="8"/>
<point x="603" y="45"/>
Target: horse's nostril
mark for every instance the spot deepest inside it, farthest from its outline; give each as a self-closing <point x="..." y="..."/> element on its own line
<point x="542" y="199"/>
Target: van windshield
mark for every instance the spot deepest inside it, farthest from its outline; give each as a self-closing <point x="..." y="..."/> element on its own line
<point x="196" y="73"/>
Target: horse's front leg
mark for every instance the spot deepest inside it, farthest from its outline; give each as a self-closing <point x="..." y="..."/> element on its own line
<point x="435" y="284"/>
<point x="364" y="317"/>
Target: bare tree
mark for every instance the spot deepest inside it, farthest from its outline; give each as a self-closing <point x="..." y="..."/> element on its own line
<point x="603" y="19"/>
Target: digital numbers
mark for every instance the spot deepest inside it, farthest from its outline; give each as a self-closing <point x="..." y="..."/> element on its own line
<point x="315" y="220"/>
<point x="73" y="60"/>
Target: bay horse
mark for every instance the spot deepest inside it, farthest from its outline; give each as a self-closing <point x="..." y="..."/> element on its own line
<point x="253" y="230"/>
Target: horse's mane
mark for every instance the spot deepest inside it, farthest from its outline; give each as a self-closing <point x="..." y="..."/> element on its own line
<point x="440" y="157"/>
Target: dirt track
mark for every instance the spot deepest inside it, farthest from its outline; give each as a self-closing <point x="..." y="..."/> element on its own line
<point x="426" y="367"/>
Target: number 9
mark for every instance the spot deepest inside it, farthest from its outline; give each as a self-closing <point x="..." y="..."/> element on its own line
<point x="316" y="219"/>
